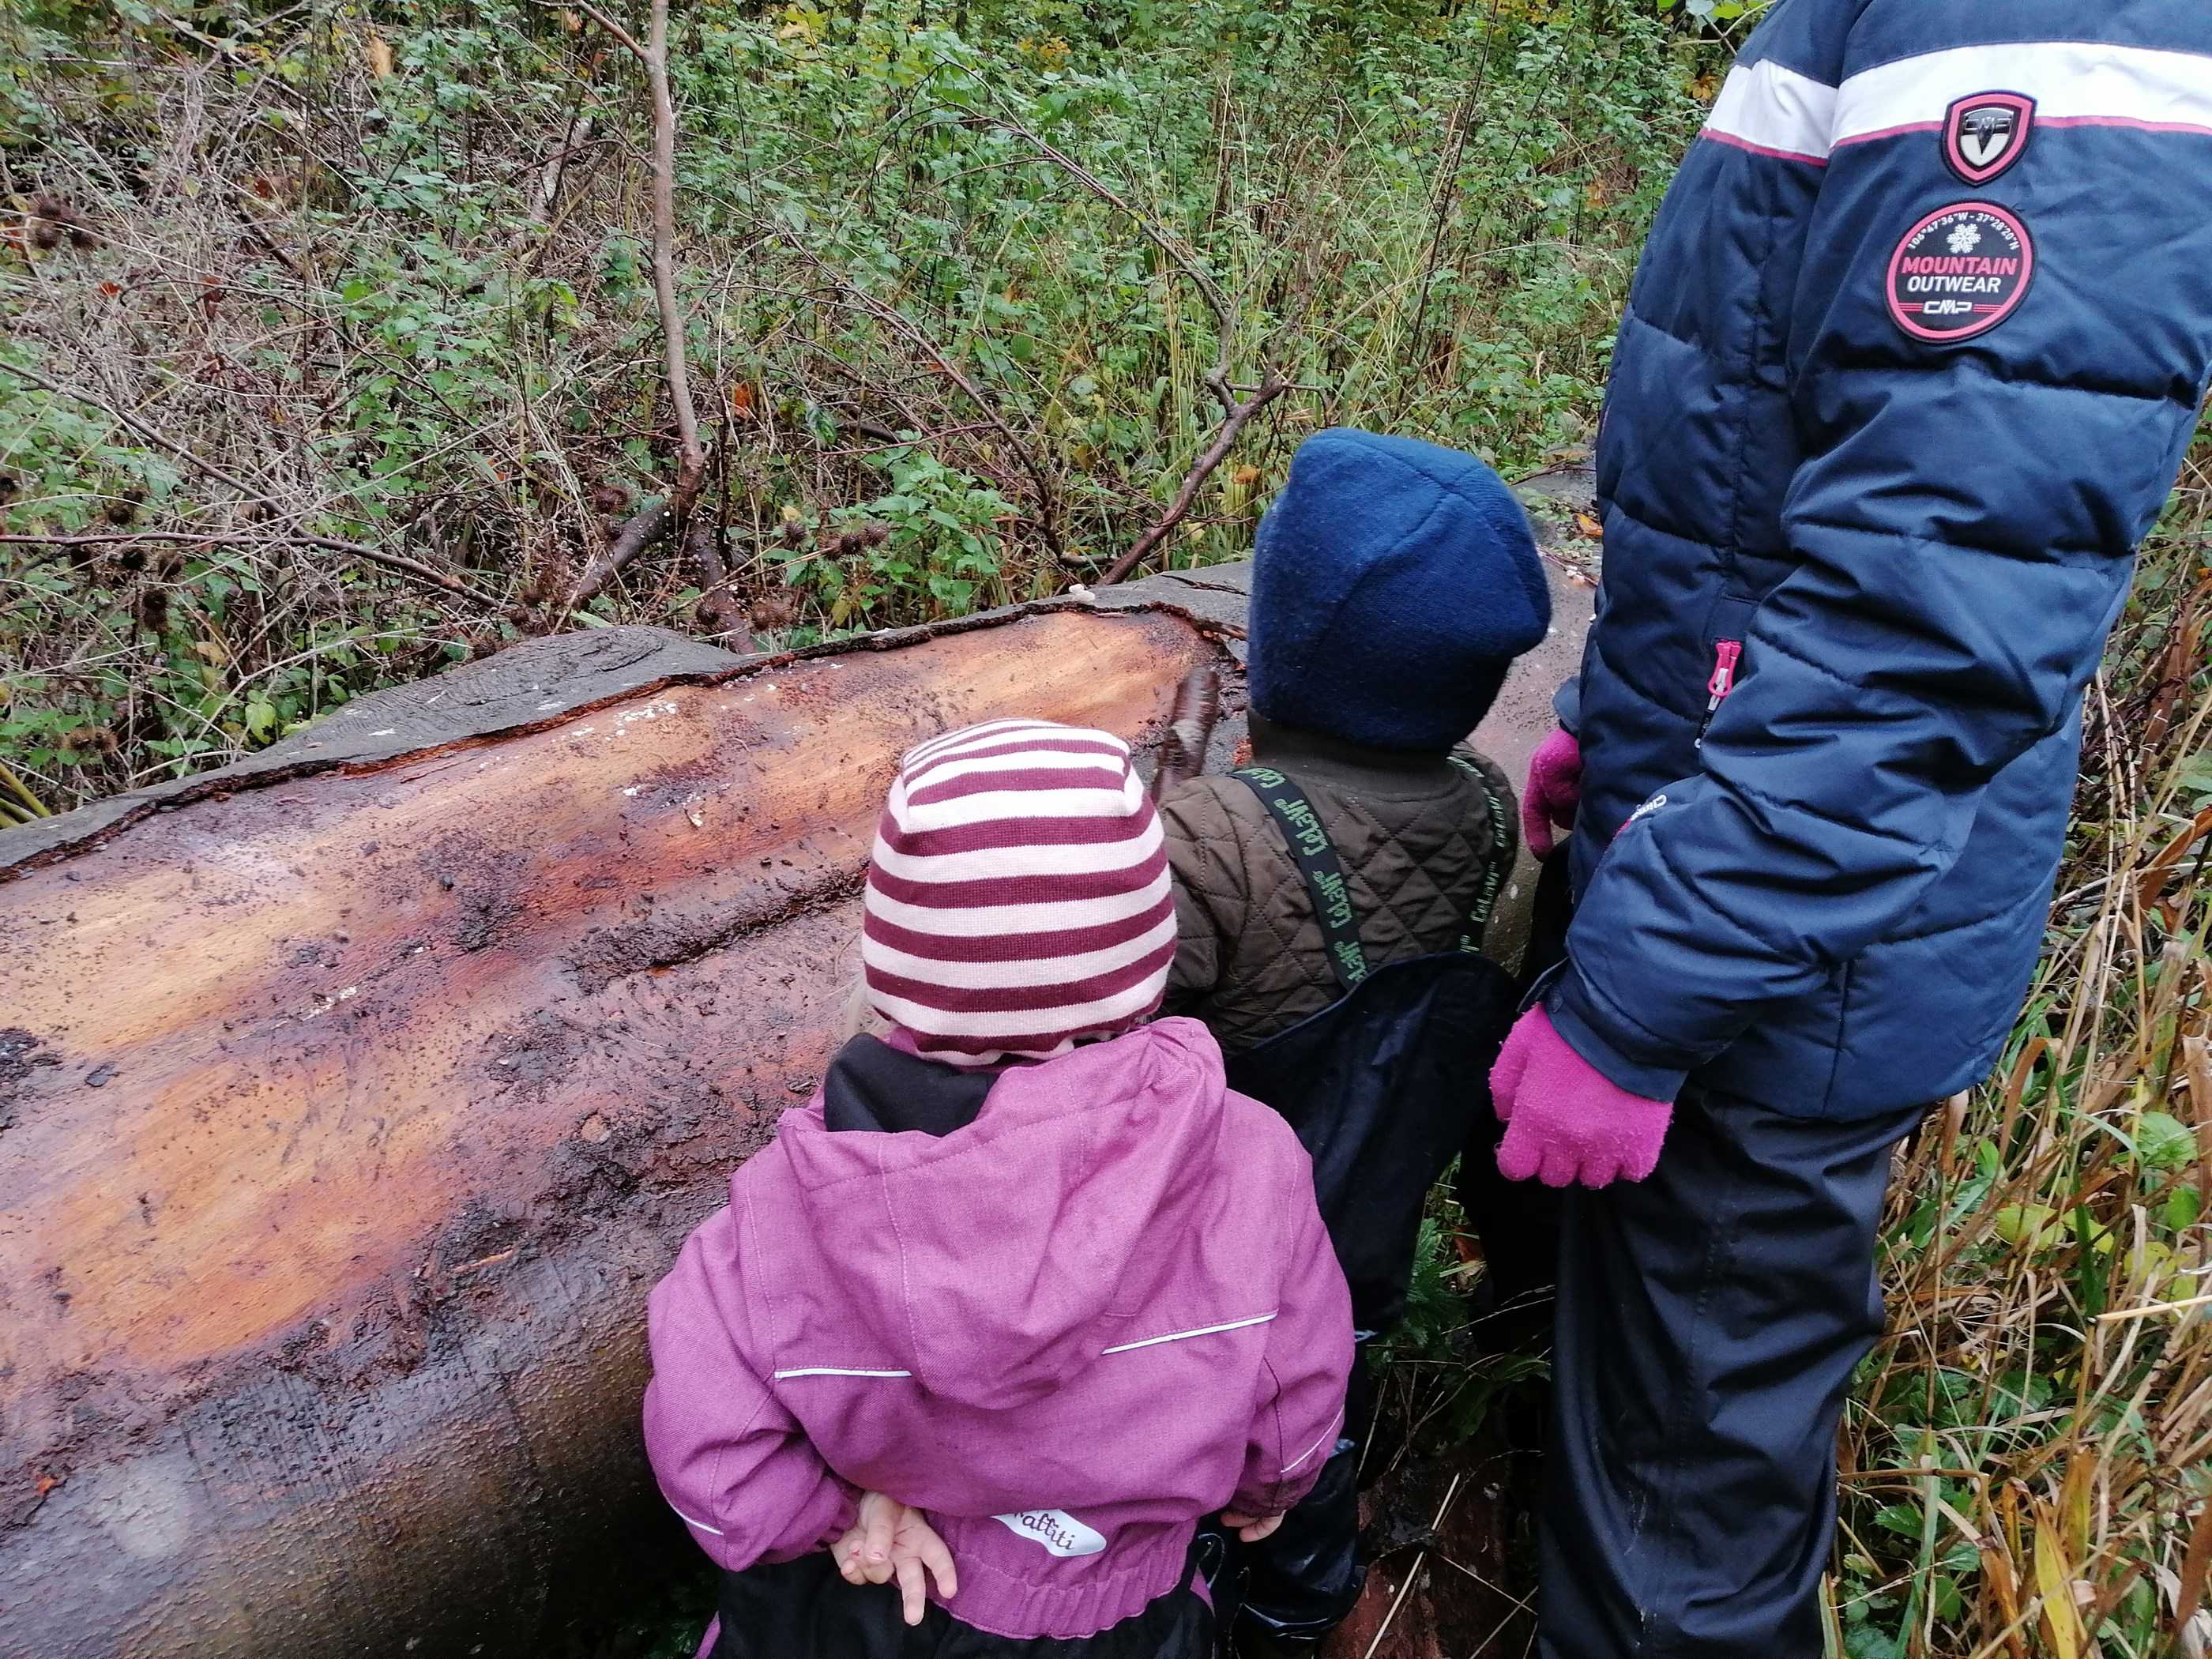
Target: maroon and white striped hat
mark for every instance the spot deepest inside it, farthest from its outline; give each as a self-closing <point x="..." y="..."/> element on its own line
<point x="1017" y="897"/>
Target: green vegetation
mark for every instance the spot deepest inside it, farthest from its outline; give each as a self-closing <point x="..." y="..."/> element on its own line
<point x="957" y="288"/>
<point x="333" y="355"/>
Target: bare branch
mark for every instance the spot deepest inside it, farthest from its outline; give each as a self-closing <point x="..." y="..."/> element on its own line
<point x="157" y="439"/>
<point x="586" y="8"/>
<point x="1223" y="315"/>
<point x="691" y="458"/>
<point x="692" y="466"/>
<point x="718" y="605"/>
<point x="1224" y="439"/>
<point x="633" y="537"/>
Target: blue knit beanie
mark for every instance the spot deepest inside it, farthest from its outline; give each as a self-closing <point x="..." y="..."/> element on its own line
<point x="1394" y="581"/>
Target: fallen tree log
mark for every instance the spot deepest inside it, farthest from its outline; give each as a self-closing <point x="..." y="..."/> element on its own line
<point x="352" y="1101"/>
<point x="351" y="1115"/>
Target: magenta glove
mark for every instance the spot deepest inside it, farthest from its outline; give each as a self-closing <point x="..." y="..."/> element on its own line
<point x="1566" y="1122"/>
<point x="1553" y="792"/>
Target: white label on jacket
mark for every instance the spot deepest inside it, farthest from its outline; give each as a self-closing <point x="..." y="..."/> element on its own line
<point x="1060" y="1532"/>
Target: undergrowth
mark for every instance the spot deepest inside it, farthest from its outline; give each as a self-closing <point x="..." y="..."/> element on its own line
<point x="953" y="280"/>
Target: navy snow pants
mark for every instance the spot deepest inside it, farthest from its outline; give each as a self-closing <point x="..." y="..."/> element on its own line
<point x="1709" y="1322"/>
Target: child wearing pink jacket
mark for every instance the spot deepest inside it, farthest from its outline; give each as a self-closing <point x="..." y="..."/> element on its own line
<point x="1027" y="1266"/>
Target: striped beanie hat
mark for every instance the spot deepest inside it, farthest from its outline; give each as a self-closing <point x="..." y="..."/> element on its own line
<point x="1018" y="896"/>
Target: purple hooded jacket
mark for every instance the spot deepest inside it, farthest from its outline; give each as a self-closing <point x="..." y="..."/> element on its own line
<point x="1100" y="1309"/>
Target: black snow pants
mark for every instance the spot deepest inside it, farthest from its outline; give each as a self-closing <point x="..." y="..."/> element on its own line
<point x="803" y="1609"/>
<point x="1709" y="1322"/>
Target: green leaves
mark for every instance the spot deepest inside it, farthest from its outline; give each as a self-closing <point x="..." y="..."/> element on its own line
<point x="2164" y="1142"/>
<point x="929" y="547"/>
<point x="1717" y="11"/>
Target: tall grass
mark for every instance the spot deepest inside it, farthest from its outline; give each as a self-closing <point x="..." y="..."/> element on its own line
<point x="2024" y="1463"/>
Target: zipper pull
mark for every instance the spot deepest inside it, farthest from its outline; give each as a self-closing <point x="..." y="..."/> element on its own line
<point x="1726" y="655"/>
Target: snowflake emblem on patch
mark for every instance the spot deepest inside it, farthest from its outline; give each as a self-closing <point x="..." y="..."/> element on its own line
<point x="1966" y="238"/>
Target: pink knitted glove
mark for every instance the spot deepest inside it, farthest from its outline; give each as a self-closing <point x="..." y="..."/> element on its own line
<point x="1566" y="1122"/>
<point x="1553" y="792"/>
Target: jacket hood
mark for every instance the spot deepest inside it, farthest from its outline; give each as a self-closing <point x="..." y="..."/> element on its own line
<point x="990" y="1259"/>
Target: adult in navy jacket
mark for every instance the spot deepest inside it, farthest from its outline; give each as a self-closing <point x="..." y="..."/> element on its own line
<point x="1912" y="361"/>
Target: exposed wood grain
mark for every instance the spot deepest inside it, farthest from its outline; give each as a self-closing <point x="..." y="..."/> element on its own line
<point x="345" y="1120"/>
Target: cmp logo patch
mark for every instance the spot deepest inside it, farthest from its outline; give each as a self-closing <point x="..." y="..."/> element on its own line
<point x="1959" y="272"/>
<point x="1984" y="134"/>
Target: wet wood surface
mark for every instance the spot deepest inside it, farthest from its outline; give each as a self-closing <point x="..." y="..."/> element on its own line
<point x="346" y="1118"/>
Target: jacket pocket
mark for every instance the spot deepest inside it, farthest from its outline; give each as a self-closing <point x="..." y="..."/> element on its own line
<point x="1725" y="637"/>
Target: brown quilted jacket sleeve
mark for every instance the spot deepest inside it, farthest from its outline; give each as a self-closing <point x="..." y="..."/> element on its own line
<point x="1205" y="855"/>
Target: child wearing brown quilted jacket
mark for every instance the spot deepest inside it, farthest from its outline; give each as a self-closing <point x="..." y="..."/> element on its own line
<point x="1394" y="583"/>
<point x="1416" y="836"/>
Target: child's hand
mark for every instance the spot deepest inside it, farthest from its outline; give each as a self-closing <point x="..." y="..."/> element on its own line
<point x="1252" y="1528"/>
<point x="1565" y="1121"/>
<point x="890" y="1538"/>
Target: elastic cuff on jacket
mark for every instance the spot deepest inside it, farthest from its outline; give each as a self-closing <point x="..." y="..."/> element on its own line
<point x="1280" y="1498"/>
<point x="1569" y="1005"/>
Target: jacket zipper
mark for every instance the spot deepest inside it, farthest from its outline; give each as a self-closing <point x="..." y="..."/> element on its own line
<point x="1726" y="653"/>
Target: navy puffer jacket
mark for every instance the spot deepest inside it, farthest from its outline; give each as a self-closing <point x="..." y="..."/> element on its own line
<point x="1909" y="368"/>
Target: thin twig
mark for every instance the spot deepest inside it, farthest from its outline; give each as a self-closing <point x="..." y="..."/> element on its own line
<point x="586" y="8"/>
<point x="1448" y="187"/>
<point x="2120" y="1315"/>
<point x="1413" y="1577"/>
<point x="1237" y="412"/>
<point x="892" y="317"/>
<point x="574" y="131"/>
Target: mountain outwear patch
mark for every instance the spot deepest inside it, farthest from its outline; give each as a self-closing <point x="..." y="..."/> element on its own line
<point x="1959" y="272"/>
